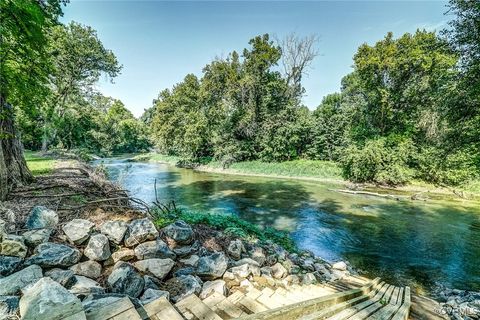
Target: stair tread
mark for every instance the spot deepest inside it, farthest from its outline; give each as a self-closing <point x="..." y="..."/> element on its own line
<point x="161" y="309"/>
<point x="193" y="305"/>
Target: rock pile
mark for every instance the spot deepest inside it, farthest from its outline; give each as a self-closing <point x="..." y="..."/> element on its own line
<point x="94" y="265"/>
<point x="458" y="304"/>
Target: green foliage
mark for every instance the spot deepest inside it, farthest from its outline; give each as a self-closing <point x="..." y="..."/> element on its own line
<point x="39" y="165"/>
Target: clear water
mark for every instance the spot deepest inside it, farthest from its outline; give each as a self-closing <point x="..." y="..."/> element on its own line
<point x="412" y="243"/>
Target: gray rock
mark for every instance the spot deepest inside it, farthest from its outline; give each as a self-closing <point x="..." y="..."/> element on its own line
<point x="98" y="248"/>
<point x="90" y="269"/>
<point x="125" y="279"/>
<point x="14" y="246"/>
<point x="248" y="261"/>
<point x="8" y="264"/>
<point x="41" y="217"/>
<point x="212" y="266"/>
<point x="13" y="283"/>
<point x="35" y="237"/>
<point x="139" y="231"/>
<point x="47" y="299"/>
<point x="9" y="307"/>
<point x="151" y="294"/>
<point x="65" y="277"/>
<point x="308" y="278"/>
<point x="151" y="282"/>
<point x="235" y="249"/>
<point x="153" y="249"/>
<point x="114" y="230"/>
<point x="278" y="271"/>
<point x="185" y="286"/>
<point x="179" y="231"/>
<point x="210" y="287"/>
<point x="50" y="254"/>
<point x="183" y="250"/>
<point x="271" y="260"/>
<point x="78" y="230"/>
<point x="340" y="265"/>
<point x="192" y="261"/>
<point x="158" y="268"/>
<point x="84" y="286"/>
<point x="242" y="271"/>
<point x="184" y="272"/>
<point x="123" y="254"/>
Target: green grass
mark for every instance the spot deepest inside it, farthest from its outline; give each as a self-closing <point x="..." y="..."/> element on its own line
<point x="39" y="165"/>
<point x="156" y="157"/>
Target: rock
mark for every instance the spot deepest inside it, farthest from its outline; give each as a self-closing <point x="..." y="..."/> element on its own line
<point x="35" y="237"/>
<point x="212" y="266"/>
<point x="308" y="264"/>
<point x="184" y="286"/>
<point x="13" y="283"/>
<point x="9" y="307"/>
<point x="179" y="231"/>
<point x="114" y="230"/>
<point x="84" y="286"/>
<point x="308" y="278"/>
<point x="235" y="249"/>
<point x="342" y="266"/>
<point x="158" y="268"/>
<point x="151" y="294"/>
<point x="90" y="269"/>
<point x="291" y="279"/>
<point x="123" y="254"/>
<point x="47" y="299"/>
<point x="8" y="264"/>
<point x="98" y="248"/>
<point x="245" y="283"/>
<point x="153" y="249"/>
<point x="50" y="254"/>
<point x="210" y="287"/>
<point x="247" y="261"/>
<point x="41" y="217"/>
<point x="271" y="260"/>
<point x="266" y="271"/>
<point x="184" y="272"/>
<point x="278" y="271"/>
<point x="125" y="279"/>
<point x="151" y="282"/>
<point x="242" y="271"/>
<point x="183" y="251"/>
<point x="65" y="277"/>
<point x="14" y="246"/>
<point x="139" y="231"/>
<point x="192" y="261"/>
<point x="78" y="230"/>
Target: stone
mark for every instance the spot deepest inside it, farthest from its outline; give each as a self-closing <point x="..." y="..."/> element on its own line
<point x="78" y="230"/>
<point x="153" y="249"/>
<point x="270" y="260"/>
<point x="35" y="237"/>
<point x="65" y="277"/>
<point x="278" y="271"/>
<point x="123" y="254"/>
<point x="114" y="230"/>
<point x="235" y="249"/>
<point x="192" y="261"/>
<point x="242" y="271"/>
<point x="8" y="264"/>
<point x="84" y="286"/>
<point x="13" y="283"/>
<point x="183" y="250"/>
<point x="90" y="269"/>
<point x="125" y="279"/>
<point x="210" y="287"/>
<point x="47" y="299"/>
<point x="51" y="254"/>
<point x="139" y="231"/>
<point x="184" y="271"/>
<point x="340" y="265"/>
<point x="151" y="294"/>
<point x="151" y="282"/>
<point x="308" y="278"/>
<point x="40" y="217"/>
<point x="9" y="307"/>
<point x="292" y="279"/>
<point x="184" y="286"/>
<point x="14" y="246"/>
<point x="179" y="231"/>
<point x="266" y="271"/>
<point x="247" y="261"/>
<point x="308" y="264"/>
<point x="212" y="266"/>
<point x="158" y="268"/>
<point x="98" y="248"/>
<point x="246" y="284"/>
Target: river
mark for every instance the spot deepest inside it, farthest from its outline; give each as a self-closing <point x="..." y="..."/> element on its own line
<point x="416" y="243"/>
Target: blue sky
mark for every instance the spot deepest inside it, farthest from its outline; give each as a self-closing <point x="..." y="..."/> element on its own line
<point x="159" y="42"/>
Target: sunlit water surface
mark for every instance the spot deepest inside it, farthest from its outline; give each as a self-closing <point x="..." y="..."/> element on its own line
<point x="406" y="242"/>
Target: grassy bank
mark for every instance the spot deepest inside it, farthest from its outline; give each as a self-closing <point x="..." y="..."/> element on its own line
<point x="39" y="165"/>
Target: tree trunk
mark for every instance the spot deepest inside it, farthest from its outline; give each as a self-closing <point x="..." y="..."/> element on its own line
<point x="13" y="167"/>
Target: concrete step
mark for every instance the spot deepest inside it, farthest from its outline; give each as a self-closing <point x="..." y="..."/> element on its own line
<point x="159" y="309"/>
<point x="192" y="305"/>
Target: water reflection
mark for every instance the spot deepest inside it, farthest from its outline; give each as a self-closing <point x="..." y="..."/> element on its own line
<point x="416" y="243"/>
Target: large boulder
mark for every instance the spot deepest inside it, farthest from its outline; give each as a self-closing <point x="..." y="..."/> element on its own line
<point x="158" y="268"/>
<point x="78" y="230"/>
<point x="41" y="217"/>
<point x="12" y="284"/>
<point x="210" y="287"/>
<point x="151" y="294"/>
<point x="153" y="249"/>
<point x="84" y="286"/>
<point x="90" y="269"/>
<point x="114" y="230"/>
<point x="125" y="279"/>
<point x="179" y="231"/>
<point x="212" y="266"/>
<point x="65" y="277"/>
<point x="35" y="237"/>
<point x="139" y="231"/>
<point x="98" y="248"/>
<point x="50" y="254"/>
<point x="14" y="246"/>
<point x="47" y="299"/>
<point x="182" y="287"/>
<point x="9" y="265"/>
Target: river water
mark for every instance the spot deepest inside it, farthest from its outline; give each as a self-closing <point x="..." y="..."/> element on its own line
<point x="416" y="243"/>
